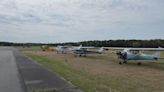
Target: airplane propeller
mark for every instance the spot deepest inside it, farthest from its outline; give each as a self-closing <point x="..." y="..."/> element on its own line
<point x="122" y="55"/>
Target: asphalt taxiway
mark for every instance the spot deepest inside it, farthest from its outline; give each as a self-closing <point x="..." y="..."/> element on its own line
<point x="19" y="73"/>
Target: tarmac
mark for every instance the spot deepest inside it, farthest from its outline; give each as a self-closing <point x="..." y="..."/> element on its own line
<point x="19" y="73"/>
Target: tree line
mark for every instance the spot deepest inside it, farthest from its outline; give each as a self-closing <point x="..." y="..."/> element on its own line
<point x="154" y="43"/>
<point x="120" y="43"/>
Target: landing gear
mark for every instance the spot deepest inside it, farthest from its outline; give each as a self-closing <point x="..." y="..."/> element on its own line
<point x="120" y="63"/>
<point x="139" y="63"/>
<point x="125" y="62"/>
<point x="82" y="55"/>
<point x="155" y="58"/>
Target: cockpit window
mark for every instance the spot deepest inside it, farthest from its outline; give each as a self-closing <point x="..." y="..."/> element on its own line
<point x="135" y="51"/>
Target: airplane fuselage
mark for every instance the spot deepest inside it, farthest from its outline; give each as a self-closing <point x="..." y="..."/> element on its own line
<point x="85" y="51"/>
<point x="140" y="57"/>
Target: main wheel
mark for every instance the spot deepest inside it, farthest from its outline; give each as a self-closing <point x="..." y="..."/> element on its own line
<point x="125" y="62"/>
<point x="120" y="63"/>
<point x="139" y="63"/>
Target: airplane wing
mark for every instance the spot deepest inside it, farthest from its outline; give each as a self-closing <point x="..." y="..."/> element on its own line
<point x="148" y="49"/>
<point x="84" y="47"/>
<point x="139" y="49"/>
<point x="88" y="47"/>
<point x="115" y="48"/>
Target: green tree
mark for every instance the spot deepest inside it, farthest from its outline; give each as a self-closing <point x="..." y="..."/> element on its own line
<point x="136" y="44"/>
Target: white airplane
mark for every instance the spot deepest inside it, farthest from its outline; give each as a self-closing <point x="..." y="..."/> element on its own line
<point x="135" y="54"/>
<point x="62" y="49"/>
<point x="80" y="51"/>
<point x="83" y="51"/>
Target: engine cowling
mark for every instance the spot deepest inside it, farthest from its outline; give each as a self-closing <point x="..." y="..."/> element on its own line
<point x="122" y="55"/>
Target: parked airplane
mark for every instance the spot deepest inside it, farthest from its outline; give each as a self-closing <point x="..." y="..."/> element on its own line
<point x="80" y="51"/>
<point x="83" y="51"/>
<point x="47" y="48"/>
<point x="62" y="49"/>
<point x="135" y="54"/>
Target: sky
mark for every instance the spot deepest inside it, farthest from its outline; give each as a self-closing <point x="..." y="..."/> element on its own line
<point x="49" y="21"/>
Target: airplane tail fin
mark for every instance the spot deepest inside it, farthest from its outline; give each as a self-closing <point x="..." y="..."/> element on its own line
<point x="157" y="54"/>
<point x="80" y="47"/>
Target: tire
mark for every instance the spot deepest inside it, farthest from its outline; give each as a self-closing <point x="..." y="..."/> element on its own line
<point x="125" y="62"/>
<point x="120" y="63"/>
<point x="139" y="63"/>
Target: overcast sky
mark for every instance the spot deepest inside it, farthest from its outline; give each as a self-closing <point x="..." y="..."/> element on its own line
<point x="78" y="20"/>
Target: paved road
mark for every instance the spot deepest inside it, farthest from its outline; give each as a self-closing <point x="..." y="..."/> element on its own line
<point x="10" y="80"/>
<point x="21" y="74"/>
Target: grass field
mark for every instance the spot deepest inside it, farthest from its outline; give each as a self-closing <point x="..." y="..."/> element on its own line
<point x="31" y="48"/>
<point x="102" y="73"/>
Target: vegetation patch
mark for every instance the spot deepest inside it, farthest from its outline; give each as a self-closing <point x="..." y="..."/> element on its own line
<point x="103" y="74"/>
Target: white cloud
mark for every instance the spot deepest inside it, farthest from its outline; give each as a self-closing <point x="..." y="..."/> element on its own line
<point x="74" y="20"/>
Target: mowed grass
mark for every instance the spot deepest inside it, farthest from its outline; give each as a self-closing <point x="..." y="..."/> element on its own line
<point x="30" y="48"/>
<point x="102" y="73"/>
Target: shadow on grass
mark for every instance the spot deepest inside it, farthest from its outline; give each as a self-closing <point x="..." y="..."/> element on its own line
<point x="153" y="65"/>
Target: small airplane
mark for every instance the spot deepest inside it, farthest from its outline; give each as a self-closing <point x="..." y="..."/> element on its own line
<point x="135" y="54"/>
<point x="80" y="51"/>
<point x="62" y="49"/>
<point x="47" y="48"/>
<point x="83" y="51"/>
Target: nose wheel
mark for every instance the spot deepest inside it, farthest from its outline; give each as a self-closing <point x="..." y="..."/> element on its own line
<point x="125" y="62"/>
<point x="139" y="63"/>
<point x="120" y="63"/>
